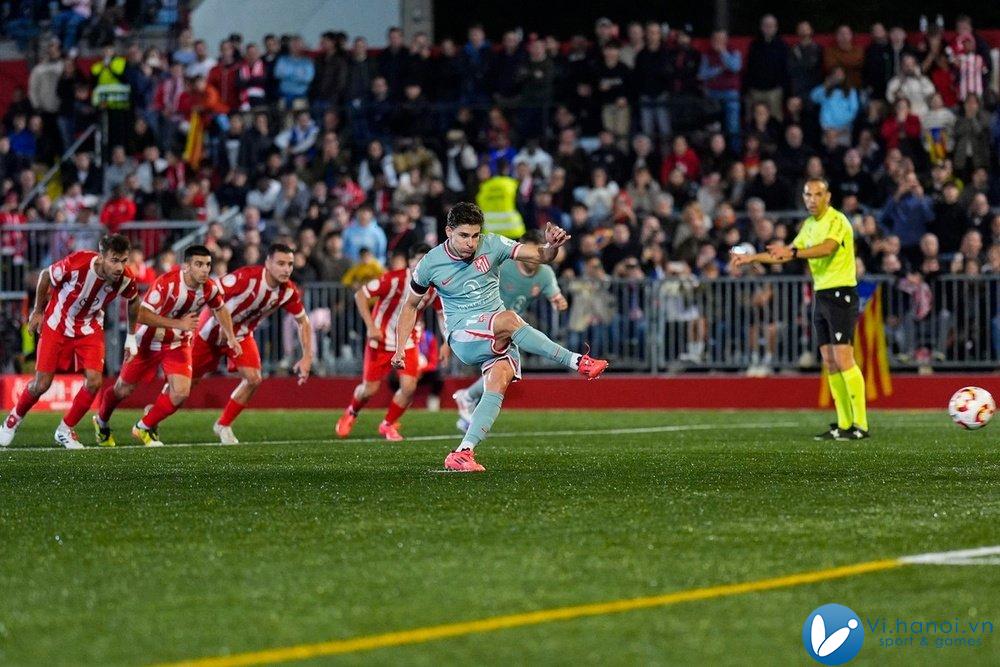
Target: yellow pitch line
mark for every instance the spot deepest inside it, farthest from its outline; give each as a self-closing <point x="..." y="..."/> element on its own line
<point x="434" y="632"/>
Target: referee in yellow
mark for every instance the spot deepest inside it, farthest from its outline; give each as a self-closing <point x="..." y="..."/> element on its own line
<point x="826" y="240"/>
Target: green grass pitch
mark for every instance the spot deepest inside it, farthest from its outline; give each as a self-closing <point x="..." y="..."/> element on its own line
<point x="135" y="556"/>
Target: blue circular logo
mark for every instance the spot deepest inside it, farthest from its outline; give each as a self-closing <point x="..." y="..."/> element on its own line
<point x="833" y="634"/>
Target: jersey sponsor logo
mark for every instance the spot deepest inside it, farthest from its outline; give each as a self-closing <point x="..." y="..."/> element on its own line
<point x="482" y="263"/>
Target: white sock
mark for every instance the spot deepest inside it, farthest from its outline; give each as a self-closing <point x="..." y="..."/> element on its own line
<point x="62" y="426"/>
<point x="101" y="422"/>
<point x="466" y="445"/>
<point x="576" y="360"/>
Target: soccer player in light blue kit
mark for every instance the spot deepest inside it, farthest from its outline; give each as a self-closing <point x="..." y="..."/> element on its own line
<point x="481" y="330"/>
<point x="521" y="283"/>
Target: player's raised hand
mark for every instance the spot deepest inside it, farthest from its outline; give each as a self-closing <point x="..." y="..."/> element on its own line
<point x="398" y="360"/>
<point x="555" y="236"/>
<point x="302" y="368"/>
<point x="35" y="321"/>
<point x="188" y="322"/>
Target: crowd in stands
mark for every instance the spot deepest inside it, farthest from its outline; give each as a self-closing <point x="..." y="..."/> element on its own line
<point x="656" y="154"/>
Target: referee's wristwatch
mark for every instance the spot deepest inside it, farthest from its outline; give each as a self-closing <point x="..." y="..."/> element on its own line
<point x="795" y="252"/>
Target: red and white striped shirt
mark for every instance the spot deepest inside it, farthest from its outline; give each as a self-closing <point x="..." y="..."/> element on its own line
<point x="170" y="296"/>
<point x="76" y="306"/>
<point x="389" y="290"/>
<point x="250" y="300"/>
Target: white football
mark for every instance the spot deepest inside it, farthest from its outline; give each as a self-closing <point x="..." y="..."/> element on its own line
<point x="971" y="407"/>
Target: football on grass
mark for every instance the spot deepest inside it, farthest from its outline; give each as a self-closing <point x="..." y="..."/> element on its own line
<point x="971" y="407"/>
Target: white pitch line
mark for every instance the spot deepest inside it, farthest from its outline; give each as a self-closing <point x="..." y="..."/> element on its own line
<point x="977" y="556"/>
<point x="429" y="438"/>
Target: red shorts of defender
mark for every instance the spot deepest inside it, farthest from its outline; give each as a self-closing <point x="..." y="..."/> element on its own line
<point x="142" y="366"/>
<point x="57" y="352"/>
<point x="378" y="364"/>
<point x="206" y="356"/>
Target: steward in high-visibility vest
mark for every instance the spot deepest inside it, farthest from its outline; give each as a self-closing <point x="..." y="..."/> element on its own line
<point x="111" y="90"/>
<point x="497" y="198"/>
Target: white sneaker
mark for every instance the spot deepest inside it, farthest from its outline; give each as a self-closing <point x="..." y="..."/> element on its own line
<point x="8" y="429"/>
<point x="67" y="438"/>
<point x="465" y="406"/>
<point x="225" y="433"/>
<point x="433" y="403"/>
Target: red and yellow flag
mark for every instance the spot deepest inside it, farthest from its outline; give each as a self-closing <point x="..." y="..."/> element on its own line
<point x="195" y="141"/>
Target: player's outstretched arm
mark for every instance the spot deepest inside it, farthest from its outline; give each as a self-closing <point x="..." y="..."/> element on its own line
<point x="187" y="323"/>
<point x="225" y="319"/>
<point x="304" y="365"/>
<point x="555" y="238"/>
<point x="41" y="300"/>
<point x="404" y="326"/>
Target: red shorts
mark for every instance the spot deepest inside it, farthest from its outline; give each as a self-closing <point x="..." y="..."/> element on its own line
<point x="57" y="352"/>
<point x="206" y="356"/>
<point x="143" y="366"/>
<point x="378" y="364"/>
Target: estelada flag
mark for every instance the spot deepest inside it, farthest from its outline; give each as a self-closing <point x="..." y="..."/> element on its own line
<point x="195" y="141"/>
<point x="870" y="349"/>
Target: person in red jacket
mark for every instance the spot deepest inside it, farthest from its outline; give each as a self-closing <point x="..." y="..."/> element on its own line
<point x="224" y="77"/>
<point x="118" y="210"/>
<point x="682" y="157"/>
<point x="901" y="128"/>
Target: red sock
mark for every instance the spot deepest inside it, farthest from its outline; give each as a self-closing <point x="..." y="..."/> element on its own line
<point x="394" y="412"/>
<point x="231" y="412"/>
<point x="162" y="408"/>
<point x="81" y="403"/>
<point x="355" y="407"/>
<point x="25" y="402"/>
<point x="107" y="403"/>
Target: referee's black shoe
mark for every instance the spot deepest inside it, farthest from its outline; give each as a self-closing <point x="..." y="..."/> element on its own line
<point x="833" y="433"/>
<point x="854" y="433"/>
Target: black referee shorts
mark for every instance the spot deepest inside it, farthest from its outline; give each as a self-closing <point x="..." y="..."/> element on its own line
<point x="834" y="315"/>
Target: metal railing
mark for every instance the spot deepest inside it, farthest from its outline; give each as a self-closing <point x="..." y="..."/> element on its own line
<point x="674" y="325"/>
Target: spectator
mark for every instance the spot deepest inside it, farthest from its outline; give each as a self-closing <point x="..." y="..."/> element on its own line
<point x="68" y="24"/>
<point x="294" y="73"/>
<point x="612" y="81"/>
<point x="330" y="78"/>
<point x="907" y="214"/>
<point x="805" y="63"/>
<point x="972" y="137"/>
<point x="720" y="73"/>
<point x="225" y="77"/>
<point x="770" y="188"/>
<point x="652" y="81"/>
<point x="393" y="62"/>
<point x="119" y="209"/>
<point x="838" y="103"/>
<point x="911" y="84"/>
<point x="950" y="220"/>
<point x="364" y="233"/>
<point x="844" y="53"/>
<point x="766" y="77"/>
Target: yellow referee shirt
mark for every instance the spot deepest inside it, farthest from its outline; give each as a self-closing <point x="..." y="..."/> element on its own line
<point x="838" y="269"/>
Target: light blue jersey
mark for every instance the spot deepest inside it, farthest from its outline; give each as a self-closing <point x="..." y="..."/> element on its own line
<point x="519" y="291"/>
<point x="467" y="287"/>
<point x="470" y="295"/>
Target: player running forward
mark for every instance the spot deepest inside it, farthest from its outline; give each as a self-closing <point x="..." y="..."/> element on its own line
<point x="73" y="293"/>
<point x="252" y="293"/>
<point x="826" y="240"/>
<point x="380" y="320"/>
<point x="167" y="317"/>
<point x="465" y="271"/>
<point x="521" y="283"/>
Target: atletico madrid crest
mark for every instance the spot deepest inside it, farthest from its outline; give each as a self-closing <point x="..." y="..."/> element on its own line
<point x="482" y="263"/>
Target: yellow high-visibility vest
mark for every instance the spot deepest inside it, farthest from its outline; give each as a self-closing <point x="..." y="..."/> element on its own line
<point x="498" y="198"/>
<point x="111" y="88"/>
